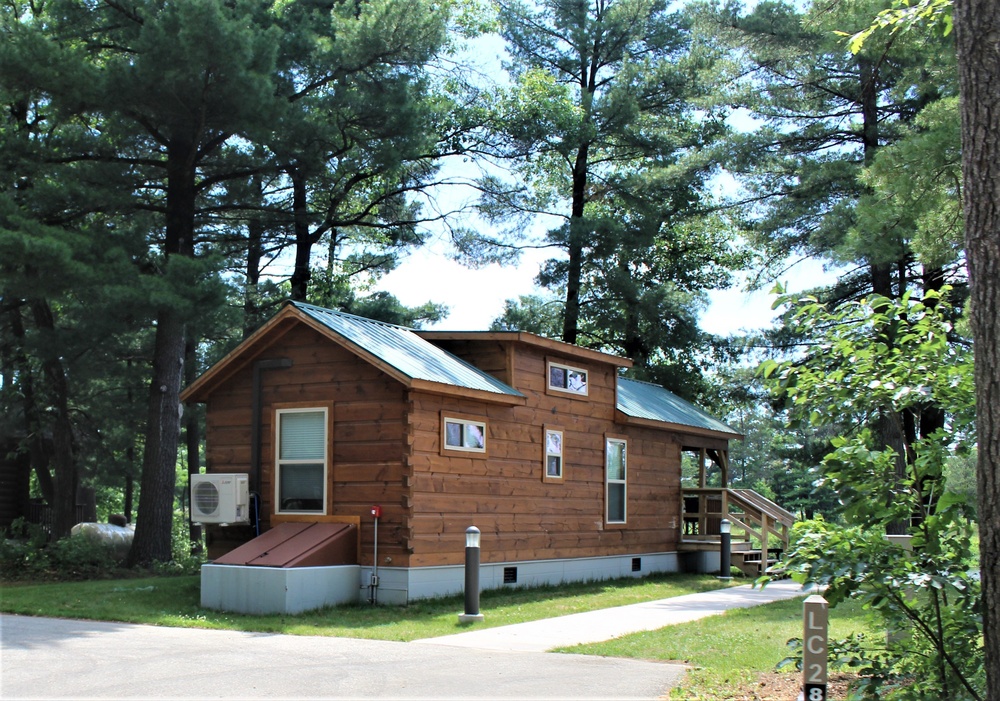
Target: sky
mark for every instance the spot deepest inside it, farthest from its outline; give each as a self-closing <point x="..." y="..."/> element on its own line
<point x="476" y="297"/>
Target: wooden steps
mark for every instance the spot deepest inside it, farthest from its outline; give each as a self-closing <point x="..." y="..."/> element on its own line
<point x="749" y="561"/>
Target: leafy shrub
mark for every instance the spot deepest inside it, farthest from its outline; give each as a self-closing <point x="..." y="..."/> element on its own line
<point x="183" y="558"/>
<point x="26" y="553"/>
<point x="884" y="363"/>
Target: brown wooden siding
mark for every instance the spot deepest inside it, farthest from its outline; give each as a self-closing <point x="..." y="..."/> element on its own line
<point x="386" y="449"/>
<point x="521" y="516"/>
<point x="368" y="435"/>
<point x="489" y="356"/>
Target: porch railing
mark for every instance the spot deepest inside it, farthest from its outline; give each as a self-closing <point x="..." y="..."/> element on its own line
<point x="755" y="519"/>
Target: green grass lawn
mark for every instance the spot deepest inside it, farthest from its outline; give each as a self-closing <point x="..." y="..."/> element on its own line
<point x="730" y="651"/>
<point x="175" y="601"/>
<point x="727" y="652"/>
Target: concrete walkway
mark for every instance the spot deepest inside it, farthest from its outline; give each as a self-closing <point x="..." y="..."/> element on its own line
<point x="605" y="624"/>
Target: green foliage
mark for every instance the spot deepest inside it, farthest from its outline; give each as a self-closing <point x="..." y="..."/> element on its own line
<point x="600" y="129"/>
<point x="27" y="554"/>
<point x="184" y="559"/>
<point x="821" y="116"/>
<point x="532" y="313"/>
<point x="775" y="460"/>
<point x="148" y="152"/>
<point x="904" y="15"/>
<point x="928" y="599"/>
<point x="893" y="359"/>
<point x="914" y="186"/>
<point x="960" y="477"/>
<point x="875" y="354"/>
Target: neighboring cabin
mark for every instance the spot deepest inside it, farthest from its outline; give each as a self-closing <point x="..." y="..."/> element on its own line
<point x="570" y="471"/>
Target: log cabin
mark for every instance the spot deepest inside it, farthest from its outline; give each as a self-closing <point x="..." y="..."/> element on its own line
<point x="569" y="470"/>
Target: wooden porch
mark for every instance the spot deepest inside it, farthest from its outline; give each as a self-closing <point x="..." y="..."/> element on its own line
<point x="760" y="528"/>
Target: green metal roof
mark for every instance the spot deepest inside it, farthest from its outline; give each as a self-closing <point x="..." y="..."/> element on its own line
<point x="404" y="350"/>
<point x="642" y="400"/>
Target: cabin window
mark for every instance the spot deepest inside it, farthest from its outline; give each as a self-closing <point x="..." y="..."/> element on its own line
<point x="616" y="471"/>
<point x="563" y="378"/>
<point x="553" y="455"/>
<point x="463" y="434"/>
<point x="302" y="460"/>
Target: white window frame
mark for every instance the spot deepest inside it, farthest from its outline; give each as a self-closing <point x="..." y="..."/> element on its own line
<point x="465" y="423"/>
<point x="279" y="463"/>
<point x="609" y="443"/>
<point x="583" y="392"/>
<point x="546" y="453"/>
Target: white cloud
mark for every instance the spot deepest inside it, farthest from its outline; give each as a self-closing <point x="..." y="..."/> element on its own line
<point x="476" y="297"/>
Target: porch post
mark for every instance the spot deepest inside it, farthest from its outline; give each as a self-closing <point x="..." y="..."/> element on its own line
<point x="763" y="542"/>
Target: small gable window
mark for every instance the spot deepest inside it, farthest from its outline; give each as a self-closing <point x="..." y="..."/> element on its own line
<point x="553" y="465"/>
<point x="464" y="435"/>
<point x="564" y="378"/>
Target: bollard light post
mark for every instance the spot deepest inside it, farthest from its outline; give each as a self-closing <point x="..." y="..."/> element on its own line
<point x="725" y="549"/>
<point x="471" y="614"/>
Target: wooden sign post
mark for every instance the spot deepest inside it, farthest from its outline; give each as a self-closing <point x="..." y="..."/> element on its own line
<point x="814" y="648"/>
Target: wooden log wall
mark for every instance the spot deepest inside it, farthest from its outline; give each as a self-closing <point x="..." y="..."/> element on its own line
<point x="368" y="437"/>
<point x="386" y="449"/>
<point x="503" y="494"/>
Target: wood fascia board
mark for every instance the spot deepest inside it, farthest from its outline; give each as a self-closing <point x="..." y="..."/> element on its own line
<point x="439" y="388"/>
<point x="623" y="418"/>
<point x="530" y="339"/>
<point x="238" y="358"/>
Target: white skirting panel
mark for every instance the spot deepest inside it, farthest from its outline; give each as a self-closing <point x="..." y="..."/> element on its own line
<point x="398" y="585"/>
<point x="245" y="589"/>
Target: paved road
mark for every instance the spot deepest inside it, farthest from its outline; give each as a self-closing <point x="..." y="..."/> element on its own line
<point x="44" y="658"/>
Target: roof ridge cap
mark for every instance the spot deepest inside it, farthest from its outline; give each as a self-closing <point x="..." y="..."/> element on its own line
<point x="365" y="319"/>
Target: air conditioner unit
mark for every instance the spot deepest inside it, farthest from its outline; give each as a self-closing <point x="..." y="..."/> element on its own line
<point x="220" y="498"/>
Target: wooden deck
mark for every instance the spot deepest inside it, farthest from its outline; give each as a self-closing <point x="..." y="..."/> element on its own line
<point x="760" y="528"/>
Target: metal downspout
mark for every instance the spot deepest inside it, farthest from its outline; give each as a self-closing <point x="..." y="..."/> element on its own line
<point x="255" y="426"/>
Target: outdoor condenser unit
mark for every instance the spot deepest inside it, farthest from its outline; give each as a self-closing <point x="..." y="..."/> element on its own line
<point x="220" y="498"/>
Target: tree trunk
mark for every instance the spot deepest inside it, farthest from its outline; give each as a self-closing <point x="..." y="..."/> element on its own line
<point x="37" y="450"/>
<point x="159" y="462"/>
<point x="192" y="437"/>
<point x="303" y="240"/>
<point x="888" y="426"/>
<point x="129" y="490"/>
<point x="63" y="458"/>
<point x="977" y="35"/>
<point x="255" y="253"/>
<point x="574" y="272"/>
